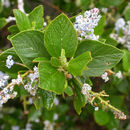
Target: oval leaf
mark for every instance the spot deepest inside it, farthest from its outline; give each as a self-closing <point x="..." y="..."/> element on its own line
<point x="61" y="34"/>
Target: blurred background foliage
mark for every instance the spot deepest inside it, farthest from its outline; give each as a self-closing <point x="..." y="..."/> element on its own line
<point x="22" y="113"/>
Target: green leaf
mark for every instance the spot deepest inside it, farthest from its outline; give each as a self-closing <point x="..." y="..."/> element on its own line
<point x="13" y="30"/>
<point x="61" y="34"/>
<point x="29" y="45"/>
<point x="50" y="78"/>
<point x="68" y="91"/>
<point x="127" y="14"/>
<point x="15" y="68"/>
<point x="22" y="20"/>
<point x="34" y="114"/>
<point x="101" y="117"/>
<point x="2" y="22"/>
<point x="99" y="29"/>
<point x="78" y="64"/>
<point x="55" y="62"/>
<point x="104" y="56"/>
<point x="80" y="100"/>
<point x="126" y="60"/>
<point x="36" y="17"/>
<point x="41" y="59"/>
<point x="46" y="99"/>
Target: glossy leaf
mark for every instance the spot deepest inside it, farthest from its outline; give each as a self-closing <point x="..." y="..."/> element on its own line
<point x="50" y="78"/>
<point x="36" y="17"/>
<point x="104" y="56"/>
<point x="78" y="64"/>
<point x="22" y="20"/>
<point x="61" y="34"/>
<point x="29" y="45"/>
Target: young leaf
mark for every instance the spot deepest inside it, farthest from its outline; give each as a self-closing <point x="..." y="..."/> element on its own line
<point x="2" y="22"/>
<point x="13" y="30"/>
<point x="78" y="64"/>
<point x="15" y="68"/>
<point x="36" y="17"/>
<point x="61" y="34"/>
<point x="41" y="59"/>
<point x="29" y="45"/>
<point x="68" y="91"/>
<point x="104" y="56"/>
<point x="50" y="78"/>
<point x="22" y="20"/>
<point x="80" y="100"/>
<point x="55" y="62"/>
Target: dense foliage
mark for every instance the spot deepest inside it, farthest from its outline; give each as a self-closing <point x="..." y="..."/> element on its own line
<point x="65" y="73"/>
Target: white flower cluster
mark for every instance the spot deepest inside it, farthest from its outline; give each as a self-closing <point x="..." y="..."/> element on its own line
<point x="48" y="125"/>
<point x="8" y="92"/>
<point x="5" y="3"/>
<point x="9" y="62"/>
<point x="32" y="85"/>
<point x="28" y="126"/>
<point x="10" y="18"/>
<point x="21" y="5"/>
<point x="86" y="23"/>
<point x="85" y="89"/>
<point x="122" y="33"/>
<point x="15" y="128"/>
<point x="3" y="79"/>
<point x="119" y="75"/>
<point x="105" y="77"/>
<point x="104" y="10"/>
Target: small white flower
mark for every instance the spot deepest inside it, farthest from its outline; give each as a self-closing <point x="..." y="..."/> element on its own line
<point x="119" y="24"/>
<point x="14" y="94"/>
<point x="105" y="77"/>
<point x="9" y="62"/>
<point x="45" y="24"/>
<point x="56" y="101"/>
<point x="86" y="88"/>
<point x="21" y="5"/>
<point x="19" y="79"/>
<point x="96" y="108"/>
<point x="30" y="100"/>
<point x="104" y="10"/>
<point x="5" y="90"/>
<point x="119" y="75"/>
<point x="55" y="116"/>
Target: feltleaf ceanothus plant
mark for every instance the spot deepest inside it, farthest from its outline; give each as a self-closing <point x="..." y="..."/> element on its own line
<point x="57" y="59"/>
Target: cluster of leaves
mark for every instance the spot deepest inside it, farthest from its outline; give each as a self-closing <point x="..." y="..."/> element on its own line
<point x="57" y="53"/>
